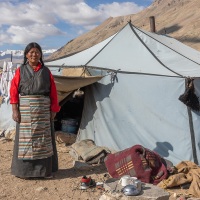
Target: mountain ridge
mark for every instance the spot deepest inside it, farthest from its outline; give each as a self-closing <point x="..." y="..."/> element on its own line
<point x="176" y="18"/>
<point x="18" y="55"/>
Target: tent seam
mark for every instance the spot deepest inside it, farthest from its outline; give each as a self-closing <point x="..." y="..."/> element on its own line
<point x="151" y="51"/>
<point x="166" y="45"/>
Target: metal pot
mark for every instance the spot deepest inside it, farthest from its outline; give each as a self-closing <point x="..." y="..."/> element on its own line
<point x="130" y="190"/>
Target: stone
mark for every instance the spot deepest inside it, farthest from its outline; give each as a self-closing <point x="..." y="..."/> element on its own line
<point x="10" y="133"/>
<point x="81" y="165"/>
<point x="67" y="138"/>
<point x="149" y="192"/>
<point x="41" y="189"/>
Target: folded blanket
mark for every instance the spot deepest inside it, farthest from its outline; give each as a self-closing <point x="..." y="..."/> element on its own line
<point x="89" y="152"/>
<point x="137" y="161"/>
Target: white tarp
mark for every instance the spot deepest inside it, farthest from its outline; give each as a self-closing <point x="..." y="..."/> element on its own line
<point x="80" y="58"/>
<point x="133" y="50"/>
<point x="6" y="120"/>
<point x="137" y="100"/>
<point x="139" y="110"/>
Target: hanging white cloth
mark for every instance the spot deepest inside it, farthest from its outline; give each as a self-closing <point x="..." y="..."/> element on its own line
<point x="5" y="82"/>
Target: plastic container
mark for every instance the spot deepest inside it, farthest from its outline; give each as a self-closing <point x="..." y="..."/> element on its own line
<point x="69" y="125"/>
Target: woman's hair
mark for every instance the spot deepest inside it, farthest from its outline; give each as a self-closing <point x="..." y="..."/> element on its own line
<point x="29" y="47"/>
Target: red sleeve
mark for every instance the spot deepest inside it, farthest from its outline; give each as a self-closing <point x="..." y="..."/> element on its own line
<point x="14" y="95"/>
<point x="53" y="95"/>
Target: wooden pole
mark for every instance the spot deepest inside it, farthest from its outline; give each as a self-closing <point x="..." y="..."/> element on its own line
<point x="152" y="24"/>
<point x="11" y="56"/>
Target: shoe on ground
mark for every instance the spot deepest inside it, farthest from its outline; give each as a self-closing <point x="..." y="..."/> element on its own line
<point x="86" y="183"/>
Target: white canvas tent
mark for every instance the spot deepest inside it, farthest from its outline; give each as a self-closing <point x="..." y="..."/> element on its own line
<point x="136" y="102"/>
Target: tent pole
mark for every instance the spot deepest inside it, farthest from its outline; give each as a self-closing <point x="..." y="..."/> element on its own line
<point x="192" y="136"/>
<point x="152" y="24"/>
<point x="194" y="151"/>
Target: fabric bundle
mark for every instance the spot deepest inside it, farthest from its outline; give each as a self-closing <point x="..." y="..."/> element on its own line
<point x="186" y="172"/>
<point x="5" y="81"/>
<point x="189" y="97"/>
<point x="137" y="161"/>
<point x="87" y="151"/>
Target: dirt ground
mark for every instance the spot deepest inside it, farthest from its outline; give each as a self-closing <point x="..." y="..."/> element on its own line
<point x="64" y="186"/>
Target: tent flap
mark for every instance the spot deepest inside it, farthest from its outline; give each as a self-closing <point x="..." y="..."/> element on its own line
<point x="67" y="84"/>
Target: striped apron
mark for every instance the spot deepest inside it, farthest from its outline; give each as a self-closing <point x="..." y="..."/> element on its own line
<point x="34" y="130"/>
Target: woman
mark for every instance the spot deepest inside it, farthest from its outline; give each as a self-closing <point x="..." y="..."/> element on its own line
<point x="34" y="104"/>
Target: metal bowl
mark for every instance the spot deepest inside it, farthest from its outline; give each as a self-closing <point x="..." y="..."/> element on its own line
<point x="130" y="190"/>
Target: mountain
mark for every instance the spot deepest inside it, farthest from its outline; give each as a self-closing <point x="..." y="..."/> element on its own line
<point x="17" y="55"/>
<point x="176" y="18"/>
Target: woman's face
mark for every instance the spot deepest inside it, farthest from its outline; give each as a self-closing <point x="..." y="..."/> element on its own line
<point x="33" y="56"/>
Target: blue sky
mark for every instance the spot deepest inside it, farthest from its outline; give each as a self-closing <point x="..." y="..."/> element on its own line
<point x="53" y="23"/>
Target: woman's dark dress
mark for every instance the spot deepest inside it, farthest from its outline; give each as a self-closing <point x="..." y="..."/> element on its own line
<point x="33" y="168"/>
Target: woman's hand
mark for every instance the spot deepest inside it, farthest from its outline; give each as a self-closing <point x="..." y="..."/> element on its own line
<point x="53" y="114"/>
<point x="16" y="113"/>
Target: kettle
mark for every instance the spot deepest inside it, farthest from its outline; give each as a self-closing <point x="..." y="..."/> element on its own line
<point x="130" y="190"/>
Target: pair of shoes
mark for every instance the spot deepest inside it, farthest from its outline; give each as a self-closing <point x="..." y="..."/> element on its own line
<point x="86" y="183"/>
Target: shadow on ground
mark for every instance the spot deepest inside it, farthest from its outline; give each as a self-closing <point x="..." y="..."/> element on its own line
<point x="74" y="173"/>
